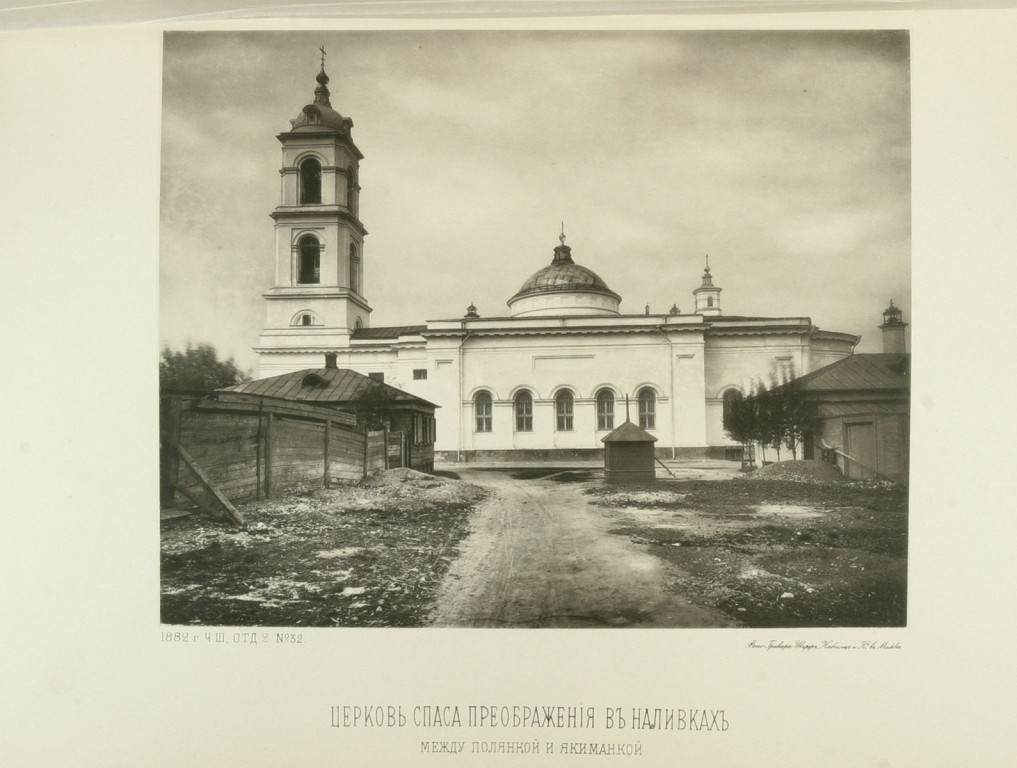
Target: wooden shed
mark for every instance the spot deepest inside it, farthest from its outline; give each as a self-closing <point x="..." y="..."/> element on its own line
<point x="863" y="405"/>
<point x="408" y="420"/>
<point x="628" y="455"/>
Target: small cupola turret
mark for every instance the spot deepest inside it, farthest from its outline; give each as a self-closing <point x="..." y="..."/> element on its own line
<point x="893" y="329"/>
<point x="707" y="294"/>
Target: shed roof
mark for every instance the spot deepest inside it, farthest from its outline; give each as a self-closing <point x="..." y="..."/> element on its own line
<point x="629" y="433"/>
<point x="882" y="371"/>
<point x="327" y="385"/>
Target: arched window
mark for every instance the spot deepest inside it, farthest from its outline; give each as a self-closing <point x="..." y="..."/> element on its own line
<point x="310" y="182"/>
<point x="309" y="255"/>
<point x="482" y="411"/>
<point x="306" y="317"/>
<point x="731" y="397"/>
<point x="354" y="268"/>
<point x="358" y="324"/>
<point x="605" y="409"/>
<point x="524" y="412"/>
<point x="352" y="189"/>
<point x="563" y="407"/>
<point x="647" y="408"/>
<point x="709" y="301"/>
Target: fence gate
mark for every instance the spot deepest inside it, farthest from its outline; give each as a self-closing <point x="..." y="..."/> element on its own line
<point x="395" y="454"/>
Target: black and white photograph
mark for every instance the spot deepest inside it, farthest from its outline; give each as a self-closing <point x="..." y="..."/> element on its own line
<point x="535" y="329"/>
<point x="370" y="364"/>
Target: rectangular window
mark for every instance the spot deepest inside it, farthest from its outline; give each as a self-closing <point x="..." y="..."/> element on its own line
<point x="524" y="414"/>
<point x="419" y="374"/>
<point x="379" y="377"/>
<point x="483" y="414"/>
<point x="563" y="408"/>
<point x="647" y="413"/>
<point x="605" y="413"/>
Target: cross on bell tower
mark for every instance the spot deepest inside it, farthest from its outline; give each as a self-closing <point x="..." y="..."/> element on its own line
<point x="316" y="301"/>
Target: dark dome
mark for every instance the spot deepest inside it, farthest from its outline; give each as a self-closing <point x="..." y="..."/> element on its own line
<point x="320" y="116"/>
<point x="564" y="275"/>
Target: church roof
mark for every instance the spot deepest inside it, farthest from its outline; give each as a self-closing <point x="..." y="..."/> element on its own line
<point x="388" y="332"/>
<point x="875" y="371"/>
<point x="326" y="386"/>
<point x="563" y="275"/>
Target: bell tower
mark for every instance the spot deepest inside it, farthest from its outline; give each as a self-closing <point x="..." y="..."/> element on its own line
<point x="893" y="329"/>
<point x="707" y="294"/>
<point x="316" y="301"/>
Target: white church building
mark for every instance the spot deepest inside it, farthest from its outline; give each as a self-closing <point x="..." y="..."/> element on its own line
<point x="550" y="377"/>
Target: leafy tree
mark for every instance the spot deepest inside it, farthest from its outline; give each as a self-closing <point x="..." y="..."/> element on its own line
<point x="787" y="414"/>
<point x="766" y="428"/>
<point x="198" y="370"/>
<point x="740" y="420"/>
<point x="779" y="416"/>
<point x="799" y="416"/>
<point x="372" y="405"/>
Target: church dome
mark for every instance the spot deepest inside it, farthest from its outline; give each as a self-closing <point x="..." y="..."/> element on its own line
<point x="320" y="116"/>
<point x="564" y="288"/>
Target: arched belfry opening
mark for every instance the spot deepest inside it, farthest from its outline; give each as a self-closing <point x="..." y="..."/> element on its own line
<point x="354" y="268"/>
<point x="308" y="260"/>
<point x="310" y="182"/>
<point x="352" y="190"/>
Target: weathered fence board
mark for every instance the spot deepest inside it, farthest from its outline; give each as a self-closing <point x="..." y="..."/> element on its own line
<point x="256" y="448"/>
<point x="214" y="500"/>
<point x="374" y="455"/>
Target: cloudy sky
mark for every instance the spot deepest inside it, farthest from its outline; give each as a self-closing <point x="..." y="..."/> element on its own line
<point x="785" y="156"/>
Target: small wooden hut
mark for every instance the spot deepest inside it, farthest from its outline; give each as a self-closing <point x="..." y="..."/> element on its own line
<point x="408" y="420"/>
<point x="628" y="455"/>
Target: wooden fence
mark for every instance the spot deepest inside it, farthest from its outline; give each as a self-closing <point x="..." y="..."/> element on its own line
<point x="249" y="448"/>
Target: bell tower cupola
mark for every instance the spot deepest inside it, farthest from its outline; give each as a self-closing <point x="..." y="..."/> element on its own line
<point x="707" y="294"/>
<point x="317" y="297"/>
<point x="893" y="328"/>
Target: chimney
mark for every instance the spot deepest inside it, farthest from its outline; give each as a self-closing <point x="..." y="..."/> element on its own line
<point x="330" y="358"/>
<point x="893" y="330"/>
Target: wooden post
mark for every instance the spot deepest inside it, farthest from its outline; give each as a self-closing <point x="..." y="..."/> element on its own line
<point x="268" y="455"/>
<point x="328" y="425"/>
<point x="170" y="415"/>
<point x="225" y="506"/>
<point x="364" y="432"/>
<point x="257" y="452"/>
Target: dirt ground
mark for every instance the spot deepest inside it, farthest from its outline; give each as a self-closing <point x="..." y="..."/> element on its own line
<point x="540" y="555"/>
<point x="364" y="555"/>
<point x="814" y="551"/>
<point x="791" y="545"/>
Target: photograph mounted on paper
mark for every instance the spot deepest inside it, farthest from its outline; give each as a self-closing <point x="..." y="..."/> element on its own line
<point x="575" y="329"/>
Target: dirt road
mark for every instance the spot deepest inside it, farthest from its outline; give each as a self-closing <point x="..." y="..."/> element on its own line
<point x="539" y="555"/>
